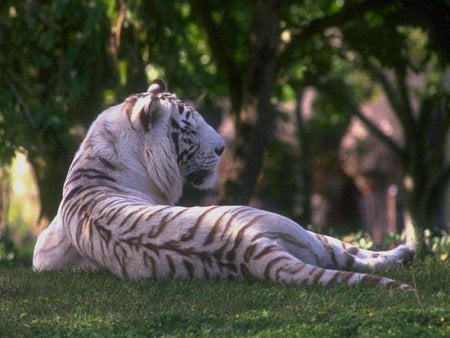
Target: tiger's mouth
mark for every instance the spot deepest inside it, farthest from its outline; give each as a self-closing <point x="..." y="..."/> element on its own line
<point x="201" y="178"/>
<point x="198" y="177"/>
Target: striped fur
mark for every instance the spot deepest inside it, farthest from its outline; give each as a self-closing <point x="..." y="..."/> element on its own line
<point x="117" y="211"/>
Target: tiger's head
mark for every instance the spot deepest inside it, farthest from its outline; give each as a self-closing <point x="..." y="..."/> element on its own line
<point x="179" y="146"/>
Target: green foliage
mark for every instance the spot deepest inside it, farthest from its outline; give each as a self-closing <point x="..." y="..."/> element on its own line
<point x="170" y="44"/>
<point x="87" y="304"/>
<point x="8" y="251"/>
<point x="48" y="54"/>
<point x="438" y="244"/>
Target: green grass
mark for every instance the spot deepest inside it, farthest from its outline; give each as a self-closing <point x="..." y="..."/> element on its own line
<point x="98" y="304"/>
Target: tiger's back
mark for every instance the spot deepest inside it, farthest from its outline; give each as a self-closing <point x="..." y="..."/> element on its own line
<point x="117" y="210"/>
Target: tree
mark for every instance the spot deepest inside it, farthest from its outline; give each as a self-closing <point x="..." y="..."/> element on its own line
<point x="250" y="86"/>
<point x="62" y="63"/>
<point x="49" y="93"/>
<point x="363" y="20"/>
<point x="426" y="173"/>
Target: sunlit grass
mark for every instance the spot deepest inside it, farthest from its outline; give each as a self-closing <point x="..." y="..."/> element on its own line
<point x="99" y="304"/>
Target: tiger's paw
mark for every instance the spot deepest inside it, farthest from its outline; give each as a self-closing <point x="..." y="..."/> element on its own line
<point x="403" y="254"/>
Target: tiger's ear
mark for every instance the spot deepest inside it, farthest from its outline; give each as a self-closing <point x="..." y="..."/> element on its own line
<point x="157" y="87"/>
<point x="147" y="114"/>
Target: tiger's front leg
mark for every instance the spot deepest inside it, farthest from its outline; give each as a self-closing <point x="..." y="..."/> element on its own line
<point x="54" y="251"/>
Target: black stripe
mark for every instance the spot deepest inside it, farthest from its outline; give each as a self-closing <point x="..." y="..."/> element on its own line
<point x="269" y="266"/>
<point x="89" y="173"/>
<point x="267" y="250"/>
<point x="240" y="235"/>
<point x="108" y="164"/>
<point x="164" y="221"/>
<point x="237" y="211"/>
<point x="210" y="238"/>
<point x="171" y="265"/>
<point x="135" y="223"/>
<point x="175" y="142"/>
<point x="189" y="268"/>
<point x="116" y="213"/>
<point x="78" y="189"/>
<point x="192" y="231"/>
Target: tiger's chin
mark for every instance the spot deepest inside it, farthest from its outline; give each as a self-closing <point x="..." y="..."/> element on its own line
<point x="202" y="179"/>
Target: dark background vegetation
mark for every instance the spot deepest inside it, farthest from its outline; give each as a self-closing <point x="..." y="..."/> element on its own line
<point x="334" y="112"/>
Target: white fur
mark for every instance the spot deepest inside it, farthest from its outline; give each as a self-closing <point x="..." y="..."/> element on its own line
<point x="117" y="210"/>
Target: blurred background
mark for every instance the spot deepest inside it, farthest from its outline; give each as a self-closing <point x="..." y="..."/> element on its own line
<point x="335" y="113"/>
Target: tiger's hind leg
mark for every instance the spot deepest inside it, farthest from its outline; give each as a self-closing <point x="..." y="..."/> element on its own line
<point x="54" y="251"/>
<point x="326" y="251"/>
<point x="274" y="264"/>
<point x="339" y="254"/>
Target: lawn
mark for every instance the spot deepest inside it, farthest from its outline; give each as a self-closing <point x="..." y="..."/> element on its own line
<point x="99" y="304"/>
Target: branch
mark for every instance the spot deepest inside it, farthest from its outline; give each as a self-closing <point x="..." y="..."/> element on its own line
<point x="397" y="98"/>
<point x="116" y="33"/>
<point x="338" y="88"/>
<point x="21" y="102"/>
<point x="379" y="134"/>
<point x="406" y="110"/>
<point x="347" y="13"/>
<point x="389" y="90"/>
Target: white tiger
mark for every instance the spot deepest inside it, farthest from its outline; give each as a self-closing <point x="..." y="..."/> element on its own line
<point x="117" y="211"/>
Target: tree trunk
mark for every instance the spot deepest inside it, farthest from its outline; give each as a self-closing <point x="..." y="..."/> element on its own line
<point x="305" y="169"/>
<point x="253" y="120"/>
<point x="3" y="201"/>
<point x="50" y="170"/>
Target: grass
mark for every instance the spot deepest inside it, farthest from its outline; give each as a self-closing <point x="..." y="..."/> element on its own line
<point x="99" y="304"/>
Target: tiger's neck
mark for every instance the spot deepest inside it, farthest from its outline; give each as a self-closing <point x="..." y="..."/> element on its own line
<point x="93" y="167"/>
<point x="124" y="163"/>
<point x="145" y="185"/>
<point x="98" y="170"/>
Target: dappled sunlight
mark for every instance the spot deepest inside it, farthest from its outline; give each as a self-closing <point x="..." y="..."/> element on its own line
<point x="23" y="201"/>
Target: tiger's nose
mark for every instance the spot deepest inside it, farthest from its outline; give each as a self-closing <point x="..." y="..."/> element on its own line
<point x="219" y="150"/>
